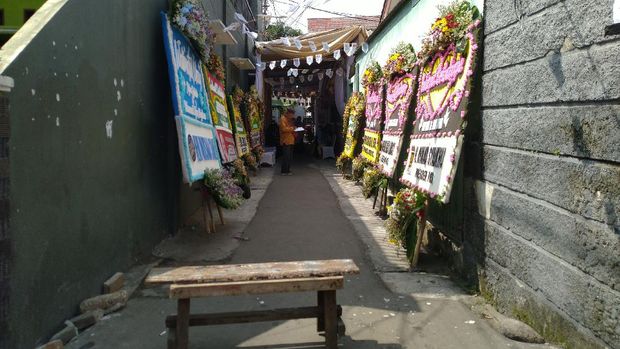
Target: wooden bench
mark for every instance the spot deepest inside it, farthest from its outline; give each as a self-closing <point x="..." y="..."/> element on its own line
<point x="324" y="277"/>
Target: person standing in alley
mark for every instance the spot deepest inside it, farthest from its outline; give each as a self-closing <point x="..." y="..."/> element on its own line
<point x="287" y="140"/>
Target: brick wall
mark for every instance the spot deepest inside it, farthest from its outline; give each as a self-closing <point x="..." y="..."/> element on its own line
<point x="322" y="24"/>
<point x="544" y="172"/>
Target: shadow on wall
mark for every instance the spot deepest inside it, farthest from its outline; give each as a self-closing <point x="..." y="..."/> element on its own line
<point x="94" y="173"/>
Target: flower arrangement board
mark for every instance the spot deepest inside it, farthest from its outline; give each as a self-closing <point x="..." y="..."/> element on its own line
<point x="221" y="119"/>
<point x="354" y="113"/>
<point x="254" y="119"/>
<point x="197" y="136"/>
<point x="442" y="106"/>
<point x="399" y="95"/>
<point x="241" y="136"/>
<point x="374" y="122"/>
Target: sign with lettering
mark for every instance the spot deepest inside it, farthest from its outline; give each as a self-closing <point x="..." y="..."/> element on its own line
<point x="197" y="136"/>
<point x="399" y="94"/>
<point x="374" y="123"/>
<point x="221" y="120"/>
<point x="441" y="111"/>
<point x="254" y="120"/>
<point x="241" y="137"/>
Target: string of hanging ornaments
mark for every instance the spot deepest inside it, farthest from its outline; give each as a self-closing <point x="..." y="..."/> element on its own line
<point x="317" y="57"/>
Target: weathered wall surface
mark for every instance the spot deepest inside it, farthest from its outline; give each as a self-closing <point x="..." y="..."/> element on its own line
<point x="94" y="173"/>
<point x="544" y="171"/>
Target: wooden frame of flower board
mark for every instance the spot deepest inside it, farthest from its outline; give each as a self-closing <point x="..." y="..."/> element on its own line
<point x="197" y="136"/>
<point x="374" y="122"/>
<point x="442" y="106"/>
<point x="221" y="119"/>
<point x="398" y="100"/>
<point x="241" y="136"/>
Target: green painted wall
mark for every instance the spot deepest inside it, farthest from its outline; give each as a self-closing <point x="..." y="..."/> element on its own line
<point x="414" y="19"/>
<point x="85" y="204"/>
<point x="14" y="11"/>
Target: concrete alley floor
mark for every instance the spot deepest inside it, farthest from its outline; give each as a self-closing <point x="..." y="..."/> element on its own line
<point x="300" y="218"/>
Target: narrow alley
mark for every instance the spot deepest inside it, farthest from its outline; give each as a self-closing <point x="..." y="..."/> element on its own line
<point x="299" y="219"/>
<point x="304" y="174"/>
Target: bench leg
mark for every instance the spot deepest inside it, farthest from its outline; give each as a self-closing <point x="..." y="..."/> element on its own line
<point x="331" y="319"/>
<point x="172" y="338"/>
<point x="182" y="324"/>
<point x="320" y="320"/>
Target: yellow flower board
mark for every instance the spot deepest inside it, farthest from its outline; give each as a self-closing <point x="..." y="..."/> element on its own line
<point x="371" y="145"/>
<point x="241" y="136"/>
<point x="354" y="118"/>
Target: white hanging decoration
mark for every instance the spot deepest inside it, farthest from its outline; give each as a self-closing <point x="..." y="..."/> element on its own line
<point x="325" y="46"/>
<point x="305" y="71"/>
<point x="239" y="17"/>
<point x="291" y="79"/>
<point x="329" y="73"/>
<point x="337" y="54"/>
<point x="365" y="47"/>
<point x="272" y="65"/>
<point x="312" y="46"/>
<point x="320" y="75"/>
<point x="232" y="27"/>
<point x="297" y="43"/>
<point x="351" y="50"/>
<point x="286" y="41"/>
<point x="261" y="66"/>
<point x="295" y="72"/>
<point x="296" y="62"/>
<point x="309" y="60"/>
<point x="301" y="78"/>
<point x="310" y="77"/>
<point x="289" y="72"/>
<point x="283" y="63"/>
<point x="318" y="58"/>
<point x="346" y="47"/>
<point x="339" y="71"/>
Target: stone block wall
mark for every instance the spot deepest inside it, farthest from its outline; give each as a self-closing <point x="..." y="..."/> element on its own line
<point x="543" y="225"/>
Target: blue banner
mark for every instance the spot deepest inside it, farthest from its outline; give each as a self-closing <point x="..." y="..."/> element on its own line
<point x="197" y="136"/>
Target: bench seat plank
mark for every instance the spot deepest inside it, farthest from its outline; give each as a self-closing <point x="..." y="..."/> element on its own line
<point x="179" y="291"/>
<point x="250" y="272"/>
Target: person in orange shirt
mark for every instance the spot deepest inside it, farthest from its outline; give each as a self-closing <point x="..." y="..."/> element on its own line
<point x="287" y="140"/>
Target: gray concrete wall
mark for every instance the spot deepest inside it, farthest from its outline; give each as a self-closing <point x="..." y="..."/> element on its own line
<point x="543" y="172"/>
<point x="85" y="205"/>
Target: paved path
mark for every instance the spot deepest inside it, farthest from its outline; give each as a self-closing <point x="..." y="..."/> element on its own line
<point x="300" y="218"/>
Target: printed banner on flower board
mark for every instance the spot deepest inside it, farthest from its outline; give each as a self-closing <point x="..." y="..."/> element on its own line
<point x="441" y="111"/>
<point x="374" y="123"/>
<point x="399" y="94"/>
<point x="241" y="137"/>
<point x="190" y="103"/>
<point x="221" y="120"/>
<point x="254" y="121"/>
<point x="198" y="148"/>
